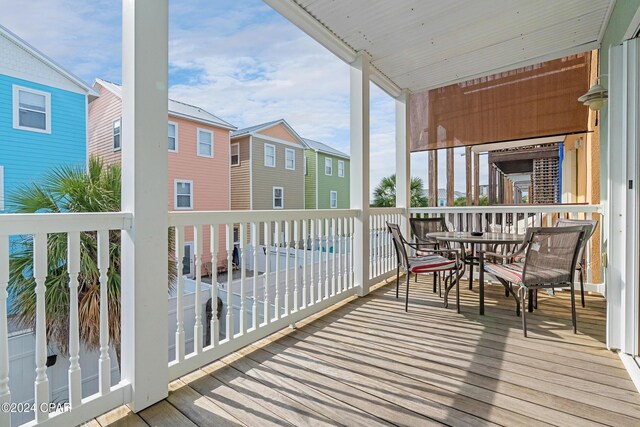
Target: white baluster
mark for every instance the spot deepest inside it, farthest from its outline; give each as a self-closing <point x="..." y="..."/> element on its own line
<point x="230" y="327"/>
<point x="5" y="392"/>
<point x="339" y="249"/>
<point x="179" y="251"/>
<point x="254" y="244"/>
<point x="40" y="276"/>
<point x="351" y="253"/>
<point x="305" y="282"/>
<point x="214" y="325"/>
<point x="73" y="268"/>
<point x="327" y="273"/>
<point x="104" y="363"/>
<point x="287" y="240"/>
<point x="345" y="254"/>
<point x="312" y="289"/>
<point x="267" y="271"/>
<point x="333" y="256"/>
<point x="197" y="327"/>
<point x="277" y="287"/>
<point x="296" y="247"/>
<point x="319" y="289"/>
<point x="243" y="278"/>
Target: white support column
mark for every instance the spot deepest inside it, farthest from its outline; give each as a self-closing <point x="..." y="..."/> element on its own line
<point x="403" y="160"/>
<point x="144" y="193"/>
<point x="360" y="166"/>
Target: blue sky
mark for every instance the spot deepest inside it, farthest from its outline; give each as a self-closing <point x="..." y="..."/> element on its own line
<point x="239" y="60"/>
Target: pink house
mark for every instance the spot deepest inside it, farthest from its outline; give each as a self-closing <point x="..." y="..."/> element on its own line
<point x="198" y="150"/>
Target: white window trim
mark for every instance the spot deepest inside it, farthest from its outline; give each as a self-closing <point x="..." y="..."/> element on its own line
<point x="340" y="162"/>
<point x="292" y="151"/>
<point x="236" y="144"/>
<point x="16" y="109"/>
<point x="198" y="130"/>
<point x="175" y="194"/>
<point x="273" y="196"/>
<point x="305" y="165"/>
<point x="331" y="193"/>
<point x="113" y="147"/>
<point x="1" y="188"/>
<point x="275" y="162"/>
<point x="325" y="166"/>
<point x="169" y="123"/>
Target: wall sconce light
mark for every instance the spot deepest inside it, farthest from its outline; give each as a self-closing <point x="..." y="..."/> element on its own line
<point x="595" y="97"/>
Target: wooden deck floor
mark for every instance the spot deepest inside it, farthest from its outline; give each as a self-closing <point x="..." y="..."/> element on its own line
<point x="370" y="363"/>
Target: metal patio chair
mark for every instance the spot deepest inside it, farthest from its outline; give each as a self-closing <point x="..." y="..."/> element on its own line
<point x="547" y="261"/>
<point x="429" y="261"/>
<point x="421" y="228"/>
<point x="589" y="226"/>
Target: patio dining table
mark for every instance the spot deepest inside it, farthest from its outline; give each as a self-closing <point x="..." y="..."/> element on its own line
<point x="466" y="238"/>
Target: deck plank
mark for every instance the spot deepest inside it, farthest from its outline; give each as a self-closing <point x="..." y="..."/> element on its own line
<point x="368" y="362"/>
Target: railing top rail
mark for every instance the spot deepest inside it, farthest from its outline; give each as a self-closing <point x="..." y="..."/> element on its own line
<point x="13" y="224"/>
<point x="181" y="218"/>
<point x="512" y="209"/>
<point x="378" y="211"/>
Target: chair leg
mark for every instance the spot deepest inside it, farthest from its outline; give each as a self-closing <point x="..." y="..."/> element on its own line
<point x="582" y="287"/>
<point x="435" y="284"/>
<point x="535" y="299"/>
<point x="406" y="298"/>
<point x="457" y="289"/>
<point x="506" y="292"/>
<point x="440" y="285"/>
<point x="573" y="310"/>
<point x="397" y="281"/>
<point x="523" y="300"/>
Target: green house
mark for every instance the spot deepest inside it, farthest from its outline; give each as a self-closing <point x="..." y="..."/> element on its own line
<point x="326" y="177"/>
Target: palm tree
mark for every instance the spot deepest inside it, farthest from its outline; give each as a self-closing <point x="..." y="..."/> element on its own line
<point x="71" y="189"/>
<point x="384" y="195"/>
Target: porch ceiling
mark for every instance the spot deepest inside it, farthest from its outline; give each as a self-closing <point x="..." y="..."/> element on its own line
<point x="424" y="44"/>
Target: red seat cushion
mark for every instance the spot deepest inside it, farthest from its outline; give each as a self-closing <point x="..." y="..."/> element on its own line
<point x="431" y="263"/>
<point x="509" y="272"/>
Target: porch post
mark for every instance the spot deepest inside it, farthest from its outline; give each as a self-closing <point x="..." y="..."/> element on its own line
<point x="403" y="160"/>
<point x="360" y="166"/>
<point x="144" y="194"/>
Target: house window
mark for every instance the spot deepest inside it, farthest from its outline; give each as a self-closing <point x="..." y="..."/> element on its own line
<point x="341" y="168"/>
<point x="172" y="140"/>
<point x="205" y="143"/>
<point x="183" y="194"/>
<point x="270" y="155"/>
<point x="117" y="134"/>
<point x="31" y="110"/>
<point x="278" y="198"/>
<point x="1" y="188"/>
<point x="333" y="199"/>
<point x="328" y="166"/>
<point x="235" y="154"/>
<point x="289" y="159"/>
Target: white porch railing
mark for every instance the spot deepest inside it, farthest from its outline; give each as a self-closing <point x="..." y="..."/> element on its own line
<point x="39" y="228"/>
<point x="515" y="219"/>
<point x="382" y="259"/>
<point x="307" y="261"/>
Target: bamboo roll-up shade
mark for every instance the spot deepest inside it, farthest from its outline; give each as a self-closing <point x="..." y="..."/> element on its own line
<point x="529" y="102"/>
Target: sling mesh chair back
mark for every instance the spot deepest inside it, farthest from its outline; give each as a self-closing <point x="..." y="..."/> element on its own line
<point x="550" y="260"/>
<point x="589" y="227"/>
<point x="432" y="261"/>
<point x="422" y="227"/>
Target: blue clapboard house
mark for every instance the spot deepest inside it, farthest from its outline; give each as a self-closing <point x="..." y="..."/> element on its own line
<point x="43" y="115"/>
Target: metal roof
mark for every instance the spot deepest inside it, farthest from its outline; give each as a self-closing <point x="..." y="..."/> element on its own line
<point x="177" y="108"/>
<point x="425" y="44"/>
<point x="324" y="148"/>
<point x="252" y="130"/>
<point x="48" y="61"/>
